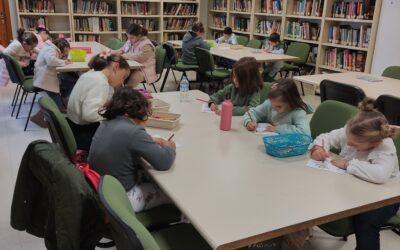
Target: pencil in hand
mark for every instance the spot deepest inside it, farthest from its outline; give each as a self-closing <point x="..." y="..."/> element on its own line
<point x="251" y="118"/>
<point x="171" y="137"/>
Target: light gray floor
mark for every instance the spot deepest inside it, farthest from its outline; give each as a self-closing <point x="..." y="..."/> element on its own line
<point x="13" y="142"/>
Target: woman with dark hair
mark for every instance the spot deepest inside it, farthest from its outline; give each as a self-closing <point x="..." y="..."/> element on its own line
<point x="140" y="49"/>
<point x="42" y="34"/>
<point x="120" y="144"/>
<point x="91" y="92"/>
<point x="191" y="40"/>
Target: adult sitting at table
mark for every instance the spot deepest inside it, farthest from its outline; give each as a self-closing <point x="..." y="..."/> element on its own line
<point x="91" y="92"/>
<point x="120" y="144"/>
<point x="191" y="40"/>
<point x="140" y="49"/>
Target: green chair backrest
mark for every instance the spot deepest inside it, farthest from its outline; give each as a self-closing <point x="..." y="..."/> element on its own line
<point x="204" y="59"/>
<point x="17" y="69"/>
<point x="114" y="43"/>
<point x="60" y="130"/>
<point x="300" y="50"/>
<point x="126" y="229"/>
<point x="254" y="43"/>
<point x="160" y="59"/>
<point x="331" y="115"/>
<point x="242" y="40"/>
<point x="392" y="72"/>
<point x="264" y="91"/>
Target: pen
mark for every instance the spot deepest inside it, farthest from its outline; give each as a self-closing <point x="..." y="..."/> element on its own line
<point x="171" y="137"/>
<point x="251" y="118"/>
<point x="198" y="99"/>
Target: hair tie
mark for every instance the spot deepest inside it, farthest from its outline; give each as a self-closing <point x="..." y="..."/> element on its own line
<point x="103" y="54"/>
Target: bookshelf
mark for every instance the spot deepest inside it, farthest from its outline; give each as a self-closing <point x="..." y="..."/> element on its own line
<point x="336" y="32"/>
<point x="100" y="20"/>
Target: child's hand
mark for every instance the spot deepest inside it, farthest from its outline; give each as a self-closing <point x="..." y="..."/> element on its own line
<point x="67" y="62"/>
<point x="340" y="163"/>
<point x="213" y="107"/>
<point x="318" y="153"/>
<point x="251" y="126"/>
<point x="170" y="144"/>
<point x="270" y="129"/>
<point x="158" y="140"/>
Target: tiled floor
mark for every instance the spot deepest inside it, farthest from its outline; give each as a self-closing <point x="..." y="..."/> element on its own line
<point x="13" y="141"/>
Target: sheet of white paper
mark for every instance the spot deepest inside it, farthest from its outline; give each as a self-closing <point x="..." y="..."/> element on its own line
<point x="205" y="108"/>
<point x="369" y="78"/>
<point x="325" y="165"/>
<point x="159" y="136"/>
<point x="261" y="127"/>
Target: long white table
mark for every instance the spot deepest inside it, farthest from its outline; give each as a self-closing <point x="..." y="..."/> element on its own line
<point x="388" y="86"/>
<point x="236" y="195"/>
<point x="224" y="50"/>
<point x="97" y="48"/>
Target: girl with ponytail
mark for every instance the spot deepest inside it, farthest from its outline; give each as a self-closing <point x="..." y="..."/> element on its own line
<point x="367" y="152"/>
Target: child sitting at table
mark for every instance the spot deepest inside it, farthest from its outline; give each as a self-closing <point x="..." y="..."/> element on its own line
<point x="191" y="40"/>
<point x="91" y="92"/>
<point x="272" y="45"/>
<point x="228" y="37"/>
<point x="244" y="91"/>
<point x="284" y="110"/>
<point x="367" y="152"/>
<point x="120" y="144"/>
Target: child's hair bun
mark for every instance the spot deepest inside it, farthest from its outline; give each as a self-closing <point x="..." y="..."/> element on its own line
<point x="367" y="105"/>
<point x="387" y="131"/>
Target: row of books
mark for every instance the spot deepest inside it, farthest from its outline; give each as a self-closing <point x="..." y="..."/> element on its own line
<point x="219" y="21"/>
<point x="345" y="59"/>
<point x="180" y="9"/>
<point x="219" y="4"/>
<point x="87" y="38"/>
<point x="271" y="6"/>
<point x="242" y="5"/>
<point x="92" y="7"/>
<point x="303" y="30"/>
<point x="94" y="24"/>
<point x="30" y="23"/>
<point x="358" y="9"/>
<point x="346" y="35"/>
<point x="307" y="7"/>
<point x="36" y="6"/>
<point x="241" y="23"/>
<point x="133" y="8"/>
<point x="179" y="23"/>
<point x="267" y="27"/>
<point x="173" y="36"/>
<point x="149" y="24"/>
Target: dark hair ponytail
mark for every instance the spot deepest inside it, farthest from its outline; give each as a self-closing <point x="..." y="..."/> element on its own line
<point x="287" y="90"/>
<point x="62" y="44"/>
<point x="127" y="101"/>
<point x="198" y="27"/>
<point x="136" y="30"/>
<point x="42" y="29"/>
<point x="100" y="62"/>
<point x="26" y="37"/>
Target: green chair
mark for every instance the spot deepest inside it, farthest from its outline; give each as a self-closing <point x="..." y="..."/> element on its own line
<point x="242" y="40"/>
<point x="300" y="50"/>
<point x="114" y="43"/>
<point x="264" y="91"/>
<point x="206" y="65"/>
<point x="160" y="65"/>
<point x="254" y="43"/>
<point x="129" y="233"/>
<point x="392" y="72"/>
<point x="25" y="83"/>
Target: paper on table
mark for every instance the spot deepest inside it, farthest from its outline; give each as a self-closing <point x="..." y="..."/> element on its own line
<point x="369" y="78"/>
<point x="261" y="127"/>
<point x="206" y="109"/>
<point x="325" y="165"/>
<point x="159" y="136"/>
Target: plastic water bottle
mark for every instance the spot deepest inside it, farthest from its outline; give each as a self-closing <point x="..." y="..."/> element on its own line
<point x="226" y="115"/>
<point x="184" y="89"/>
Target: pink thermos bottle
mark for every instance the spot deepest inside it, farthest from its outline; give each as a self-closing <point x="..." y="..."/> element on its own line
<point x="226" y="115"/>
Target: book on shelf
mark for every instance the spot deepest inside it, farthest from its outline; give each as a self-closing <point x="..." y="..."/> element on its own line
<point x="87" y="38"/>
<point x="186" y="9"/>
<point x="267" y="27"/>
<point x="347" y="36"/>
<point x="241" y="23"/>
<point x="94" y="24"/>
<point x="312" y="57"/>
<point x="241" y="5"/>
<point x="31" y="23"/>
<point x="133" y="8"/>
<point x="92" y="7"/>
<point x="36" y="6"/>
<point x="219" y="4"/>
<point x="271" y="6"/>
<point x="219" y="21"/>
<point x="307" y="7"/>
<point x="346" y="59"/>
<point x="148" y="23"/>
<point x="179" y="23"/>
<point x="358" y="9"/>
<point x="173" y="36"/>
<point x="303" y="30"/>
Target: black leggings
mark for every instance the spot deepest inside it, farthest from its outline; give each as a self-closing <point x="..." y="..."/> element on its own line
<point x="83" y="134"/>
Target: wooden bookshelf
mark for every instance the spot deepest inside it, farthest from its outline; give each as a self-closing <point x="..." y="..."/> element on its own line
<point x="62" y="19"/>
<point x="320" y="15"/>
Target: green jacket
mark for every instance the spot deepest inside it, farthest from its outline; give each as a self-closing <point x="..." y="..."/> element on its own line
<point x="52" y="200"/>
<point x="240" y="104"/>
<point x="294" y="121"/>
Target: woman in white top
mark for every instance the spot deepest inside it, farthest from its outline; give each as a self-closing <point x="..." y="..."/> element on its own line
<point x="367" y="152"/>
<point x="91" y="92"/>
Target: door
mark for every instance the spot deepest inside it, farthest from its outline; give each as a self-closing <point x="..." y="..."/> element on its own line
<point x="5" y="23"/>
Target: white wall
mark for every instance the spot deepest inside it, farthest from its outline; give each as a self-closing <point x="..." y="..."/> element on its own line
<point x="14" y="19"/>
<point x="204" y="13"/>
<point x="387" y="46"/>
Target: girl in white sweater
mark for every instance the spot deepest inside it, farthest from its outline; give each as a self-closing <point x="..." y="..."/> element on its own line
<point x="367" y="152"/>
<point x="91" y="92"/>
